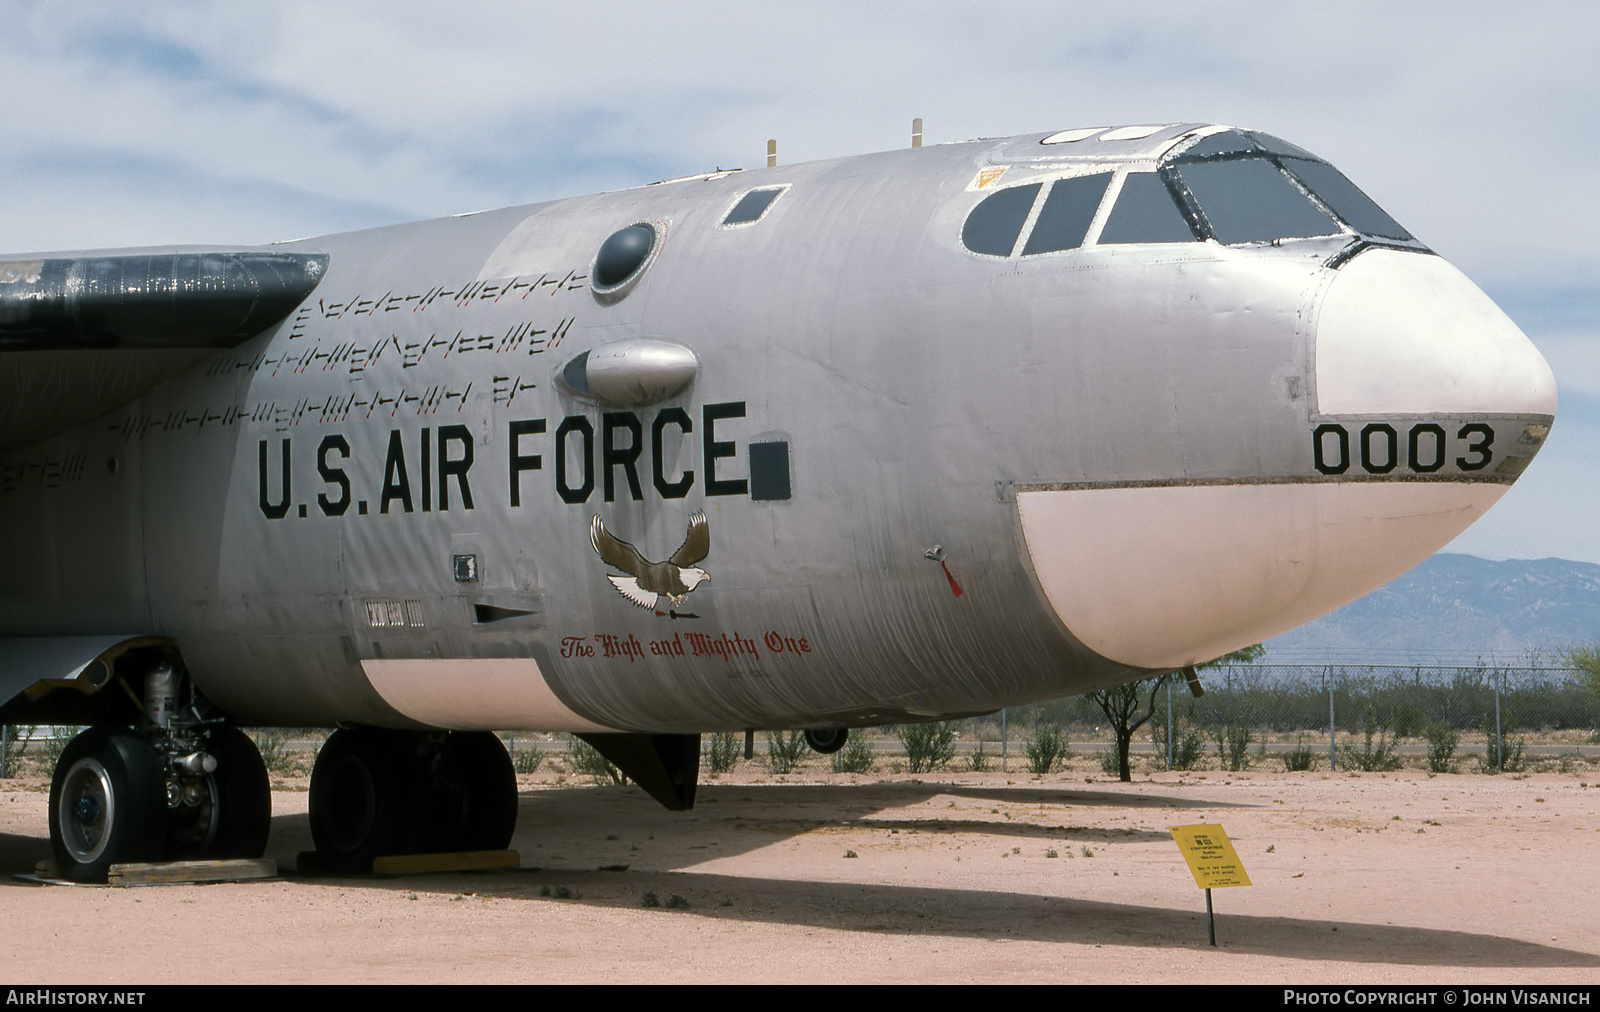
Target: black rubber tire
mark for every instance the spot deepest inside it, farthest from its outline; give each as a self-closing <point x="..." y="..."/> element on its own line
<point x="107" y="804"/>
<point x="827" y="741"/>
<point x="364" y="798"/>
<point x="245" y="796"/>
<point x="472" y="802"/>
<point x="235" y="820"/>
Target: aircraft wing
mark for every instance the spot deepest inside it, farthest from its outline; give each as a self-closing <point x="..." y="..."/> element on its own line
<point x="83" y="334"/>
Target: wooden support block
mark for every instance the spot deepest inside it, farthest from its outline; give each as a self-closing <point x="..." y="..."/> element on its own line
<point x="472" y="860"/>
<point x="171" y="872"/>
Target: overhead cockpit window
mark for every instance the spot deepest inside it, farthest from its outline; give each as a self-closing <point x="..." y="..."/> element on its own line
<point x="1251" y="200"/>
<point x="1240" y="142"/>
<point x="993" y="226"/>
<point x="752" y="206"/>
<point x="1348" y="202"/>
<point x="1227" y="142"/>
<point x="1067" y="212"/>
<point x="1145" y="212"/>
<point x="1279" y="146"/>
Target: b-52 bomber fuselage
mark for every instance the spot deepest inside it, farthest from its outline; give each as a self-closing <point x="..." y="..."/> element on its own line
<point x="892" y="438"/>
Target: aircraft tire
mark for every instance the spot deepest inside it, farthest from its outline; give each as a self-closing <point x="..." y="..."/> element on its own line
<point x="473" y="799"/>
<point x="107" y="804"/>
<point x="363" y="800"/>
<point x="236" y="818"/>
<point x="827" y="741"/>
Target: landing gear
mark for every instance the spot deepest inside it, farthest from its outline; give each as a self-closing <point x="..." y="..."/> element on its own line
<point x="179" y="785"/>
<point x="472" y="794"/>
<point x="223" y="814"/>
<point x="376" y="792"/>
<point x="107" y="804"/>
<point x="828" y="740"/>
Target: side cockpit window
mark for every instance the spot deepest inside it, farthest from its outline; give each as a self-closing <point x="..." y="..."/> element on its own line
<point x="1067" y="212"/>
<point x="1145" y="212"/>
<point x="993" y="226"/>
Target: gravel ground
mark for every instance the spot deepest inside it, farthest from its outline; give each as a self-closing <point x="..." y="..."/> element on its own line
<point x="1358" y="878"/>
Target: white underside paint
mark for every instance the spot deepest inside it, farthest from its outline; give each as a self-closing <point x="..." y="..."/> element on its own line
<point x="478" y="694"/>
<point x="1169" y="576"/>
<point x="1406" y="333"/>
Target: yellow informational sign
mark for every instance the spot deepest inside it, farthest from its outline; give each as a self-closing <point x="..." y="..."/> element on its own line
<point x="1212" y="859"/>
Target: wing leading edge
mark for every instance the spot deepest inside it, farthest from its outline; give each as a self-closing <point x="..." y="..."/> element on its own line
<point x="82" y="335"/>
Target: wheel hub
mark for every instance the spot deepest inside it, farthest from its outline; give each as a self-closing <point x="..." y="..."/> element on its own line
<point x="88" y="810"/>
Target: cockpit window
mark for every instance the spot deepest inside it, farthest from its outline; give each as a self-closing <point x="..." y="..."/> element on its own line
<point x="1227" y="142"/>
<point x="1144" y="212"/>
<point x="1241" y="142"/>
<point x="1348" y="202"/>
<point x="1251" y="200"/>
<point x="993" y="226"/>
<point x="1068" y="210"/>
<point x="1278" y="146"/>
<point x="752" y="206"/>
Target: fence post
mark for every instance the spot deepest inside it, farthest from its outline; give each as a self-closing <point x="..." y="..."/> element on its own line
<point x="1171" y="726"/>
<point x="1499" y="735"/>
<point x="1333" y="754"/>
<point x="5" y="751"/>
<point x="1005" y="739"/>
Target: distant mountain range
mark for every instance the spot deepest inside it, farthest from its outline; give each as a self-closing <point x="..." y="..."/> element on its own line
<point x="1456" y="609"/>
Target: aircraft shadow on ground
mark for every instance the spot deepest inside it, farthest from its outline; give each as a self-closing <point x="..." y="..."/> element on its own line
<point x="737" y="819"/>
<point x="746" y="817"/>
<point x="998" y="916"/>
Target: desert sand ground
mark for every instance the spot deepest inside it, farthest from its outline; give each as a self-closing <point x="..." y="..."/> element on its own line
<point x="817" y="877"/>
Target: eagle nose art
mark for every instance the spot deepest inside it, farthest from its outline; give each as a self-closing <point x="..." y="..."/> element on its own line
<point x="1427" y="403"/>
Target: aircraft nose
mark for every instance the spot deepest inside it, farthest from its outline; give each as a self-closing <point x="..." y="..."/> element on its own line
<point x="1407" y="333"/>
<point x="1429" y="404"/>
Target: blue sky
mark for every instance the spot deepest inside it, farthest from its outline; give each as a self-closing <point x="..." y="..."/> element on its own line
<point x="1472" y="123"/>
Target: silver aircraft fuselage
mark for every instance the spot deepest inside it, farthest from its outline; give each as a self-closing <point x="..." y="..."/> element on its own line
<point x="970" y="426"/>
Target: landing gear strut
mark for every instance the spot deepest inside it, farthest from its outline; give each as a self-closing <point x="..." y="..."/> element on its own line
<point x="376" y="792"/>
<point x="178" y="786"/>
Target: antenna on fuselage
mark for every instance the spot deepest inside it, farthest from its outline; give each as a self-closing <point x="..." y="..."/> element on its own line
<point x="916" y="132"/>
<point x="772" y="154"/>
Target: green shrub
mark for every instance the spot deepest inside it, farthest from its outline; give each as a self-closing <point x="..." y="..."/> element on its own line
<point x="51" y="748"/>
<point x="1442" y="742"/>
<point x="856" y="756"/>
<point x="1047" y="750"/>
<point x="1377" y="753"/>
<point x="1233" y="744"/>
<point x="1109" y="763"/>
<point x="584" y="758"/>
<point x="1300" y="759"/>
<point x="978" y="760"/>
<point x="273" y="744"/>
<point x="528" y="760"/>
<point x="784" y="749"/>
<point x="928" y="746"/>
<point x="1501" y="752"/>
<point x="722" y="752"/>
<point x="1186" y="753"/>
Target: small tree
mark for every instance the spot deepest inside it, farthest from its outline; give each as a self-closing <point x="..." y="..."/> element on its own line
<point x="1586" y="658"/>
<point x="1120" y="703"/>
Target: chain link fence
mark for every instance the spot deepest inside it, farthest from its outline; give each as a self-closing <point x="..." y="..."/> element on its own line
<point x="1346" y="716"/>
<point x="1267" y="716"/>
